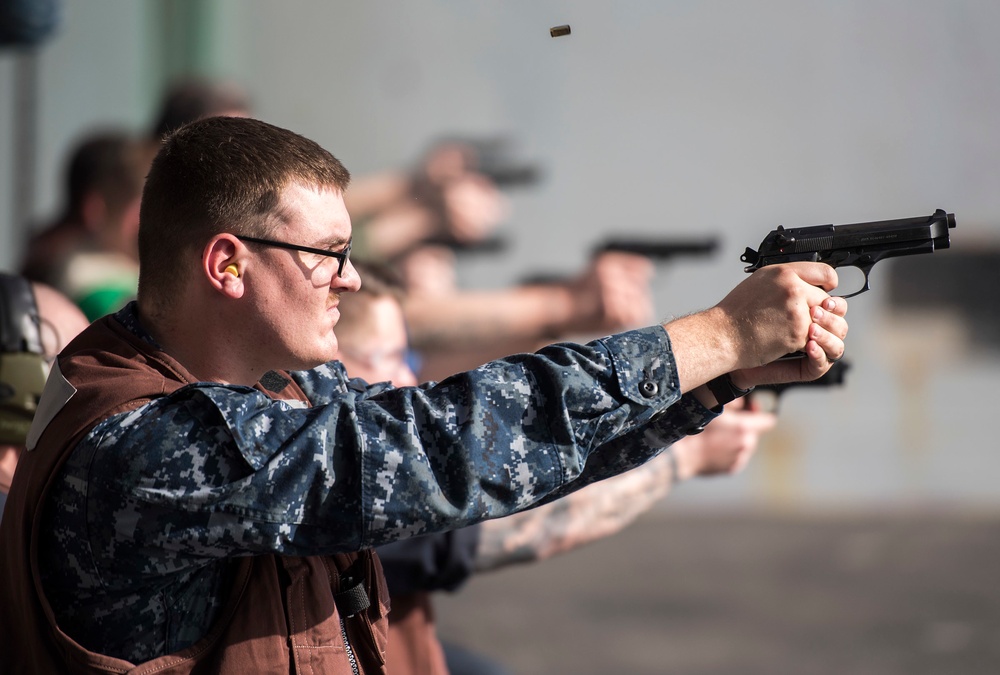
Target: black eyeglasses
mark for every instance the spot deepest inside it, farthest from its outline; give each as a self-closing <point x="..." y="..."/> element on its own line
<point x="341" y="256"/>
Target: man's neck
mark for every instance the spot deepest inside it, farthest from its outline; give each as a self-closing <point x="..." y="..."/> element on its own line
<point x="208" y="356"/>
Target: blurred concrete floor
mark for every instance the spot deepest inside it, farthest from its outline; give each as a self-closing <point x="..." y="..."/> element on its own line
<point x="708" y="594"/>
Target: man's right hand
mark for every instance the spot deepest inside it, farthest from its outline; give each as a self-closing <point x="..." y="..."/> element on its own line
<point x="785" y="309"/>
<point x="772" y="314"/>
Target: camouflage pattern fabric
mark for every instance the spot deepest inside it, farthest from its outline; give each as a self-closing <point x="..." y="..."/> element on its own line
<point x="153" y="502"/>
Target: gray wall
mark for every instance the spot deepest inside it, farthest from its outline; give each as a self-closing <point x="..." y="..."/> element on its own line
<point x="654" y="117"/>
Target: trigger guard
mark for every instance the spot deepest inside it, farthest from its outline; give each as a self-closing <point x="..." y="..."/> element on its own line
<point x="866" y="270"/>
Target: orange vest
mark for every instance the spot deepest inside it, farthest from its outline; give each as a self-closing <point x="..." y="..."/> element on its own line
<point x="280" y="615"/>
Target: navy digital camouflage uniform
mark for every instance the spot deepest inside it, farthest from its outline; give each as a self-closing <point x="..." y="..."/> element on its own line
<point x="153" y="502"/>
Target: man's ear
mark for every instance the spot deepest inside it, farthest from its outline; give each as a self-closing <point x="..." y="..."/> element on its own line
<point x="223" y="263"/>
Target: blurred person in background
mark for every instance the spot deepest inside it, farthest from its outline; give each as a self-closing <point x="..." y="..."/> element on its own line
<point x="373" y="346"/>
<point x="101" y="272"/>
<point x="443" y="199"/>
<point x="193" y="98"/>
<point x="36" y="322"/>
<point x="90" y="253"/>
<point x="455" y="329"/>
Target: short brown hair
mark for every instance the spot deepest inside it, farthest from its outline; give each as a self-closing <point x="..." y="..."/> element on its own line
<point x="215" y="175"/>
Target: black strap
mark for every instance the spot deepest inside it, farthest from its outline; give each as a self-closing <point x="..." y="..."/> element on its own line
<point x="725" y="391"/>
<point x="20" y="325"/>
<point x="353" y="597"/>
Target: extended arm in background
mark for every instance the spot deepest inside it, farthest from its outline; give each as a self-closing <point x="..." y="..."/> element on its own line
<point x="602" y="509"/>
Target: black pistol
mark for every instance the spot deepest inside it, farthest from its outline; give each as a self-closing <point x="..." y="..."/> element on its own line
<point x="769" y="395"/>
<point x="658" y="250"/>
<point x="860" y="245"/>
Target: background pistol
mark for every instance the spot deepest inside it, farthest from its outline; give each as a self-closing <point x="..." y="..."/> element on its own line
<point x="659" y="250"/>
<point x="768" y="396"/>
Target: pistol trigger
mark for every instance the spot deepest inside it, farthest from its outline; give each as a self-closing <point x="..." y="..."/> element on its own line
<point x="866" y="270"/>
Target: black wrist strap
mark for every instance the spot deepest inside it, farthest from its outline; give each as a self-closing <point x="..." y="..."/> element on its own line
<point x="725" y="391"/>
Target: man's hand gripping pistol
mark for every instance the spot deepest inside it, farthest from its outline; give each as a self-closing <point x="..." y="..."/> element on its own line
<point x="859" y="245"/>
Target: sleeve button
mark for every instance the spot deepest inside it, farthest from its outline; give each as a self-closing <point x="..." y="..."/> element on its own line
<point x="648" y="388"/>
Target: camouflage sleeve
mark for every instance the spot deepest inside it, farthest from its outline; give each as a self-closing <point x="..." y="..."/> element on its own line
<point x="216" y="470"/>
<point x="687" y="416"/>
<point x="563" y="418"/>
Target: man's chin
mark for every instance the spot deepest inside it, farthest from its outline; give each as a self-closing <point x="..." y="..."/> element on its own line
<point x="321" y="356"/>
<point x="328" y="352"/>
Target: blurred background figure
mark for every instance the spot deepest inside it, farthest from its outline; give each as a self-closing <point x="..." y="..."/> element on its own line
<point x="36" y="322"/>
<point x="90" y="252"/>
<point x="373" y="345"/>
<point x="455" y="329"/>
<point x="445" y="199"/>
<point x="454" y="205"/>
<point x="192" y="98"/>
<point x="454" y="202"/>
